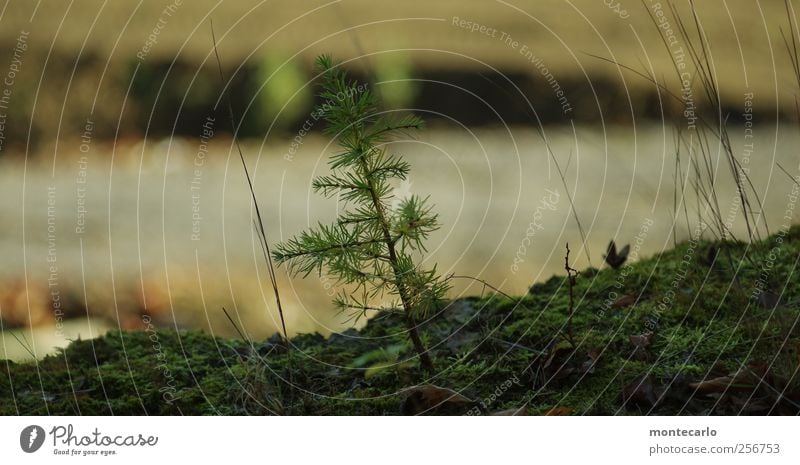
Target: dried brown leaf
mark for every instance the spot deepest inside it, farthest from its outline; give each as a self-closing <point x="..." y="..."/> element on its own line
<point x="640" y="392"/>
<point x="624" y="301"/>
<point x="642" y="341"/>
<point x="592" y="356"/>
<point x="743" y="380"/>
<point x="427" y="397"/>
<point x="558" y="411"/>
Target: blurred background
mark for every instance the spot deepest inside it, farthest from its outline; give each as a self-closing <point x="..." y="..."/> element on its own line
<point x="122" y="197"/>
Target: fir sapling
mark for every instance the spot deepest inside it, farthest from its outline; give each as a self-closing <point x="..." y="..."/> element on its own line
<point x="372" y="249"/>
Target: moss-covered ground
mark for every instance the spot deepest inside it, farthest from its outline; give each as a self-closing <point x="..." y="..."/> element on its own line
<point x="705" y="328"/>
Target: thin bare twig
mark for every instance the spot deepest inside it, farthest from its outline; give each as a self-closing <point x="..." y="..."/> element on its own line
<point x="486" y="284"/>
<point x="261" y="231"/>
<point x="794" y="180"/>
<point x="572" y="274"/>
<point x="236" y="327"/>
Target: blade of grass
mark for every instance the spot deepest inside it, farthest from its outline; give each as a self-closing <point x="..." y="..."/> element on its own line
<point x="261" y="232"/>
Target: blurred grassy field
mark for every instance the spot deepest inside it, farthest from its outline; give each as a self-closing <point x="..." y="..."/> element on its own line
<point x="744" y="36"/>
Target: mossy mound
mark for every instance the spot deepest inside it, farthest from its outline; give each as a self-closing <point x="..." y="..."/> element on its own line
<point x="642" y="337"/>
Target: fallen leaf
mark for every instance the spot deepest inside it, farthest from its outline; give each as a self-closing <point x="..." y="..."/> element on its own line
<point x="564" y="361"/>
<point x="427" y="398"/>
<point x="555" y="365"/>
<point x="624" y="301"/>
<point x="592" y="355"/>
<point x="642" y="341"/>
<point x="640" y="392"/>
<point x="640" y="344"/>
<point x="558" y="411"/>
<point x="743" y="380"/>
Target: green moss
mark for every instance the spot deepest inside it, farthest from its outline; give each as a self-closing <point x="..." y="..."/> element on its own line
<point x="706" y="322"/>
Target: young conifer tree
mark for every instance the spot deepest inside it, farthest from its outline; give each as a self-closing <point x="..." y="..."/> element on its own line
<point x="371" y="248"/>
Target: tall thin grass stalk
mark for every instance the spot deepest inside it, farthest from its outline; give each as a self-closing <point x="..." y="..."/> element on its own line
<point x="704" y="181"/>
<point x="700" y="56"/>
<point x="258" y="222"/>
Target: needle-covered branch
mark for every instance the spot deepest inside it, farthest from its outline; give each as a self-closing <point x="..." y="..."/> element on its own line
<point x="372" y="247"/>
